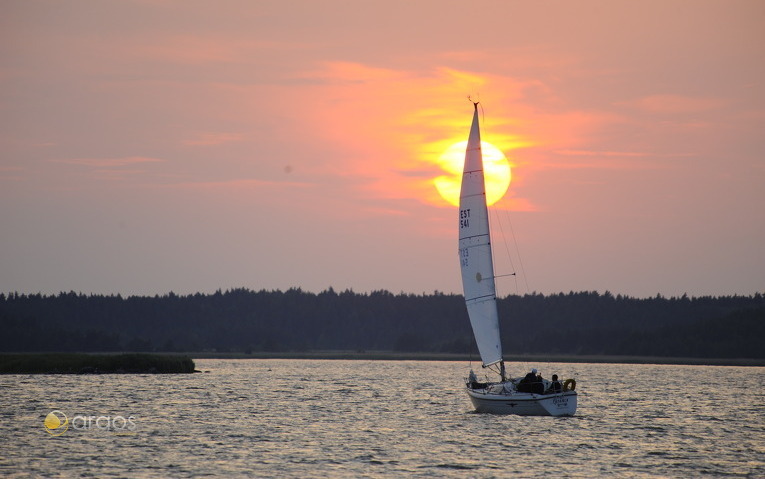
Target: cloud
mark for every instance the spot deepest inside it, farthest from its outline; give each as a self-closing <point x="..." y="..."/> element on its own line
<point x="237" y="184"/>
<point x="108" y="169"/>
<point x="609" y="160"/>
<point x="211" y="138"/>
<point x="11" y="173"/>
<point x="198" y="50"/>
<point x="417" y="116"/>
<point x="108" y="162"/>
<point x="600" y="153"/>
<point x="674" y="104"/>
<point x="517" y="204"/>
<point x="420" y="113"/>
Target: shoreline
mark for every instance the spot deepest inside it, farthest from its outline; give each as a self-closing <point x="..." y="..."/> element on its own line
<point x="95" y="363"/>
<point x="110" y="362"/>
<point x="536" y="358"/>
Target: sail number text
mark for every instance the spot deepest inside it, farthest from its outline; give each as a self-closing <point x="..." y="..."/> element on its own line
<point x="464" y="253"/>
<point x="464" y="218"/>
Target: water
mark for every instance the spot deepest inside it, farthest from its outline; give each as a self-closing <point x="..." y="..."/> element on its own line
<point x="289" y="418"/>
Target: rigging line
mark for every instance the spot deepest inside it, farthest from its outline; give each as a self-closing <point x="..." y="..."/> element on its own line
<point x="494" y="368"/>
<point x="507" y="250"/>
<point x="491" y="250"/>
<point x="518" y="252"/>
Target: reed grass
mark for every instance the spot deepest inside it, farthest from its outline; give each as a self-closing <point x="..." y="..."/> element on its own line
<point x="83" y="363"/>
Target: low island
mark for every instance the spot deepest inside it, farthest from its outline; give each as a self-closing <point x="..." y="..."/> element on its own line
<point x="83" y="363"/>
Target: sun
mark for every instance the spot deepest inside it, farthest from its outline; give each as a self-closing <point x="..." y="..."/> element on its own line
<point x="496" y="170"/>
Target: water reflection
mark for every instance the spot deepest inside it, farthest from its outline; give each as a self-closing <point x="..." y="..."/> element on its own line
<point x="386" y="418"/>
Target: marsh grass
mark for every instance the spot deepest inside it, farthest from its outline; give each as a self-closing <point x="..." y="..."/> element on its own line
<point x="81" y="363"/>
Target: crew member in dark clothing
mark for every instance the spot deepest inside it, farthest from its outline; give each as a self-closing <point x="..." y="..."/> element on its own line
<point x="538" y="386"/>
<point x="526" y="385"/>
<point x="473" y="381"/>
<point x="555" y="386"/>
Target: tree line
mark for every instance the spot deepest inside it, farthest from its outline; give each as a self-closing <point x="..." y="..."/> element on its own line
<point x="242" y="320"/>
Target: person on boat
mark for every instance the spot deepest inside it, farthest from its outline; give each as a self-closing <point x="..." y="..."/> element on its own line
<point x="538" y="387"/>
<point x="473" y="381"/>
<point x="555" y="386"/>
<point x="526" y="385"/>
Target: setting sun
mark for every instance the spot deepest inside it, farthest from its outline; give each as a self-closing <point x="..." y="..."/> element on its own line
<point x="496" y="171"/>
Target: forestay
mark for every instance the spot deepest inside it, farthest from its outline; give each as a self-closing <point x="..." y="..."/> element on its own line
<point x="475" y="252"/>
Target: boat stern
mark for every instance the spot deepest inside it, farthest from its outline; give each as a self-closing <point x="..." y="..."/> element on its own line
<point x="523" y="404"/>
<point x="561" y="405"/>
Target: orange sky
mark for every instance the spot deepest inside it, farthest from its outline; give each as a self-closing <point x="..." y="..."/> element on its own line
<point x="159" y="146"/>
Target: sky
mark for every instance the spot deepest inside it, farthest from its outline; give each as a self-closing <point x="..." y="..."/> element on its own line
<point x="189" y="146"/>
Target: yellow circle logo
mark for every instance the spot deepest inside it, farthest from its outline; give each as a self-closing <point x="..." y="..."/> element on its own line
<point x="56" y="423"/>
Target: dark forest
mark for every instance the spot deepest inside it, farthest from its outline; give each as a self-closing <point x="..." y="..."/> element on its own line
<point x="241" y="320"/>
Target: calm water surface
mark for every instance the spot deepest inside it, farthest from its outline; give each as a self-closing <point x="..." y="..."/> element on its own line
<point x="269" y="418"/>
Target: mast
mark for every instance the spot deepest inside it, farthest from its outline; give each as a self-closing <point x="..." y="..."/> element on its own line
<point x="475" y="253"/>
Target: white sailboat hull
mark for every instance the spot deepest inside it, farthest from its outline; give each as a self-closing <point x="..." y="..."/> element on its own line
<point x="489" y="400"/>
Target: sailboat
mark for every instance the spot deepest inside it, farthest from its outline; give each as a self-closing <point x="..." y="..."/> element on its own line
<point x="529" y="395"/>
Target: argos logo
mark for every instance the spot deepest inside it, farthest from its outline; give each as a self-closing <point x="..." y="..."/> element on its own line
<point x="57" y="423"/>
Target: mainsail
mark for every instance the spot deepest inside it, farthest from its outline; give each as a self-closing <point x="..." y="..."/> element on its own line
<point x="475" y="252"/>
